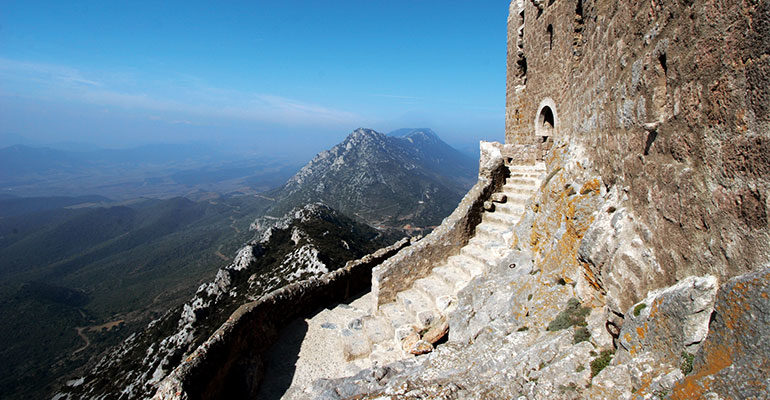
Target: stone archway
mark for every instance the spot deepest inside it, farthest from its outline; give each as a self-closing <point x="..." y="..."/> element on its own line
<point x="546" y="121"/>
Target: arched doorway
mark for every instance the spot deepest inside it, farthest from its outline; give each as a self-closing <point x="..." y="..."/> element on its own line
<point x="546" y="121"/>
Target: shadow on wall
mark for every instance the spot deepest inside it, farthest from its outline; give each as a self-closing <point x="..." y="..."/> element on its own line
<point x="281" y="360"/>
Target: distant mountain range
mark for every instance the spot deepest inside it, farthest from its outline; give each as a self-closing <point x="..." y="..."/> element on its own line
<point x="159" y="170"/>
<point x="408" y="178"/>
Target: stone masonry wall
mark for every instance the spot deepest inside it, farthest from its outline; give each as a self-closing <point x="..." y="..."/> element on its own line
<point x="229" y="364"/>
<point x="671" y="102"/>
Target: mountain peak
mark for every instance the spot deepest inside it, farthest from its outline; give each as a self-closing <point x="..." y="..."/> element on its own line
<point x="365" y="132"/>
<point x="384" y="180"/>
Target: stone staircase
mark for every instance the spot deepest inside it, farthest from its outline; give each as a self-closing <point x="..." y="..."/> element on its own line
<point x="417" y="319"/>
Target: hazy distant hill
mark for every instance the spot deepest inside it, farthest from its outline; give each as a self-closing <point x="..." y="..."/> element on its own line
<point x="412" y="178"/>
<point x="12" y="206"/>
<point x="158" y="170"/>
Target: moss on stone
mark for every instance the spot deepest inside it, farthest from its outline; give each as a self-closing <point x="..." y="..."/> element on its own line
<point x="599" y="363"/>
<point x="638" y="309"/>
<point x="581" y="335"/>
<point x="687" y="359"/>
<point x="573" y="315"/>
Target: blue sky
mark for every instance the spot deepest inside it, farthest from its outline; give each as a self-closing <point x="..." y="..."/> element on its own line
<point x="263" y="77"/>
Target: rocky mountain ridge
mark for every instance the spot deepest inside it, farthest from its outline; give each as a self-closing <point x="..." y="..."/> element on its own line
<point x="384" y="180"/>
<point x="307" y="242"/>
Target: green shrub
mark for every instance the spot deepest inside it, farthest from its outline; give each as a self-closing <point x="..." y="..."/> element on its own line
<point x="581" y="335"/>
<point x="639" y="307"/>
<point x="599" y="363"/>
<point x="687" y="359"/>
<point x="573" y="315"/>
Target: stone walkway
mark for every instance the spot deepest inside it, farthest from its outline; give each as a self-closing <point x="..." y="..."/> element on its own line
<point x="344" y="340"/>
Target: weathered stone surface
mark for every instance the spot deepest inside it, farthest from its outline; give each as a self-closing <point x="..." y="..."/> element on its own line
<point x="356" y="346"/>
<point x="437" y="331"/>
<point x="669" y="100"/>
<point x="420" y="347"/>
<point x="735" y="357"/>
<point x="669" y="321"/>
<point x="409" y="341"/>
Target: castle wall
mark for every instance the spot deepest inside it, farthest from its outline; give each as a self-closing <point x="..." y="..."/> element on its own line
<point x="230" y="363"/>
<point x="671" y="102"/>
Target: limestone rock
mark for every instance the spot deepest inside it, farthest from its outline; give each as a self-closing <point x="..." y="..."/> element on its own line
<point x="491" y="157"/>
<point x="437" y="331"/>
<point x="733" y="361"/>
<point x="420" y="347"/>
<point x="356" y="346"/>
<point x="669" y="321"/>
<point x="498" y="197"/>
<point x="410" y="341"/>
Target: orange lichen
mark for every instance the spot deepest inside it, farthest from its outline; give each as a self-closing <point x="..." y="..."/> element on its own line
<point x="590" y="186"/>
<point x="640" y="331"/>
<point x="697" y="385"/>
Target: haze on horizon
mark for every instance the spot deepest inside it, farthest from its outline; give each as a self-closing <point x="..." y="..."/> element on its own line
<point x="283" y="78"/>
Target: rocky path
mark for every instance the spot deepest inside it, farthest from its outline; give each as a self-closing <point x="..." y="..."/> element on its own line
<point x="85" y="339"/>
<point x="351" y="338"/>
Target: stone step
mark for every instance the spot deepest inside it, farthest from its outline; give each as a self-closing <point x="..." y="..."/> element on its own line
<point x="433" y="286"/>
<point x="525" y="167"/>
<point x="519" y="181"/>
<point x="492" y="230"/>
<point x="529" y="175"/>
<point x="520" y="197"/>
<point x="514" y="199"/>
<point x="472" y="266"/>
<point x="486" y="257"/>
<point x="511" y="190"/>
<point x="377" y="329"/>
<point x="485" y="243"/>
<point x="416" y="302"/>
<point x="453" y="275"/>
<point x="503" y="218"/>
<point x="355" y="346"/>
<point x="395" y="314"/>
<point x="515" y="209"/>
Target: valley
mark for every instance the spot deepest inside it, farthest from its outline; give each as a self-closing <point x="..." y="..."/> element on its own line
<point x="83" y="273"/>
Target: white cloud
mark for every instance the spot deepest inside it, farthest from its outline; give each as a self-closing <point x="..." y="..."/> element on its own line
<point x="190" y="97"/>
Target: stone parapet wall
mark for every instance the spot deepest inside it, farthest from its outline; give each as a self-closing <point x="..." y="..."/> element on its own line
<point x="230" y="365"/>
<point x="417" y="261"/>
